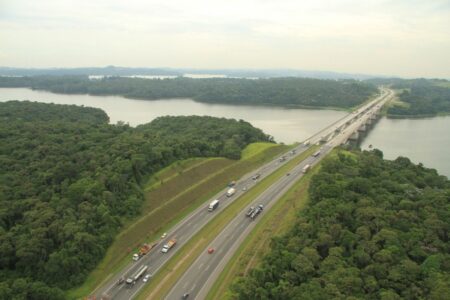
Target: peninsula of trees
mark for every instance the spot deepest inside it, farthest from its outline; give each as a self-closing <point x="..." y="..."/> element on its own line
<point x="373" y="229"/>
<point x="419" y="97"/>
<point x="68" y="180"/>
<point x="295" y="92"/>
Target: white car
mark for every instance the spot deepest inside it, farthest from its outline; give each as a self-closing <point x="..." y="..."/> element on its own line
<point x="164" y="235"/>
<point x="147" y="277"/>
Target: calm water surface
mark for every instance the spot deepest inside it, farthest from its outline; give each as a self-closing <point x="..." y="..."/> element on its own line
<point x="286" y="125"/>
<point x="423" y="140"/>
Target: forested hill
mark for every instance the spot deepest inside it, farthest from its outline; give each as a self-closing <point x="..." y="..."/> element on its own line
<point x="420" y="97"/>
<point x="68" y="180"/>
<point x="373" y="229"/>
<point x="299" y="92"/>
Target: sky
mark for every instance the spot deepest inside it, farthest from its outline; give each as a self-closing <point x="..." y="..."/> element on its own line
<point x="408" y="38"/>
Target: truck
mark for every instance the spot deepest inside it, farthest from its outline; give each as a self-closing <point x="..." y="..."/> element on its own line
<point x="249" y="211"/>
<point x="231" y="192"/>
<point x="169" y="245"/>
<point x="132" y="280"/>
<point x="143" y="250"/>
<point x="256" y="211"/>
<point x="213" y="205"/>
<point x="317" y="153"/>
<point x="306" y="143"/>
<point x="306" y="168"/>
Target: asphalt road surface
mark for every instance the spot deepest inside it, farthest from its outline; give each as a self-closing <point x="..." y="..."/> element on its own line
<point x="201" y="275"/>
<point x="192" y="223"/>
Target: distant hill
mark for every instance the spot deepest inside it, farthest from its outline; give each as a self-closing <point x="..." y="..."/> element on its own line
<point x="124" y="71"/>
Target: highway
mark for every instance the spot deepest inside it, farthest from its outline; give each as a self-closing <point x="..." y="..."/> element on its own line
<point x="201" y="275"/>
<point x="192" y="223"/>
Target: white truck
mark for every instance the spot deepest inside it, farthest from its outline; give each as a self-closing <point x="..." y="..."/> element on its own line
<point x="231" y="192"/>
<point x="169" y="245"/>
<point x="132" y="280"/>
<point x="213" y="205"/>
<point x="306" y="168"/>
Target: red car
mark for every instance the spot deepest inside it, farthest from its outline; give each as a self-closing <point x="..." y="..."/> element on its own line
<point x="210" y="250"/>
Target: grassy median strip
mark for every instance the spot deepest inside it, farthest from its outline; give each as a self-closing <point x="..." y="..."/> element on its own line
<point x="179" y="189"/>
<point x="276" y="222"/>
<point x="180" y="262"/>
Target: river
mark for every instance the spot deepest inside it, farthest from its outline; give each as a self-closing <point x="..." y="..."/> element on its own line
<point x="423" y="140"/>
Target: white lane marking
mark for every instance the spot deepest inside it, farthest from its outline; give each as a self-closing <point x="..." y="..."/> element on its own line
<point x="193" y="287"/>
<point x="201" y="265"/>
<point x="207" y="267"/>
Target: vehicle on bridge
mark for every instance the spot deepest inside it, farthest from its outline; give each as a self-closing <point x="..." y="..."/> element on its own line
<point x="306" y="143"/>
<point x="232" y="183"/>
<point x="213" y="205"/>
<point x="317" y="153"/>
<point x="281" y="159"/>
<point x="169" y="245"/>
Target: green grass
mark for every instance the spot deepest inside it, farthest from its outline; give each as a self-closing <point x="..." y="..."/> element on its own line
<point x="276" y="222"/>
<point x="180" y="262"/>
<point x="171" y="194"/>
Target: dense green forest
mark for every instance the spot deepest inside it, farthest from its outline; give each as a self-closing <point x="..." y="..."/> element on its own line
<point x="373" y="229"/>
<point x="423" y="97"/>
<point x="68" y="180"/>
<point x="301" y="92"/>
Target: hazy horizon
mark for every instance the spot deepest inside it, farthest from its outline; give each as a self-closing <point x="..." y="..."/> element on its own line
<point x="388" y="38"/>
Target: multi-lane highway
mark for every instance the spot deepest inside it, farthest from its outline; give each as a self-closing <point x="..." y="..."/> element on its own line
<point x="192" y="223"/>
<point x="201" y="275"/>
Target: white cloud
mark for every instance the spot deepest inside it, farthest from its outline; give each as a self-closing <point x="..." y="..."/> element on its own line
<point x="409" y="38"/>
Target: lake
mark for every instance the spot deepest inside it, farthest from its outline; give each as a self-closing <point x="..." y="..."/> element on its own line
<point x="422" y="140"/>
<point x="286" y="125"/>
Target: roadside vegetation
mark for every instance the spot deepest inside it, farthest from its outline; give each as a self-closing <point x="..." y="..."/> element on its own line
<point x="169" y="202"/>
<point x="372" y="229"/>
<point x="291" y="92"/>
<point x="180" y="262"/>
<point x="69" y="181"/>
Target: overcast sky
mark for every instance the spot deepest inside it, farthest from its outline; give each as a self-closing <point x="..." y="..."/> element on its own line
<point x="409" y="38"/>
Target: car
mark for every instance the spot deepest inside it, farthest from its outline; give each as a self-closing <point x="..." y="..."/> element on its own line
<point x="164" y="235"/>
<point x="146" y="278"/>
<point x="256" y="176"/>
<point x="244" y="188"/>
<point x="288" y="174"/>
<point x="211" y="250"/>
<point x="185" y="296"/>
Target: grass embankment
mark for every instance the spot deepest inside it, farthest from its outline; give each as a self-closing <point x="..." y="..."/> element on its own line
<point x="277" y="221"/>
<point x="180" y="262"/>
<point x="171" y="194"/>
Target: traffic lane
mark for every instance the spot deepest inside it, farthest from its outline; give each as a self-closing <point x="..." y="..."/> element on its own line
<point x="184" y="233"/>
<point x="192" y="281"/>
<point x="270" y="166"/>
